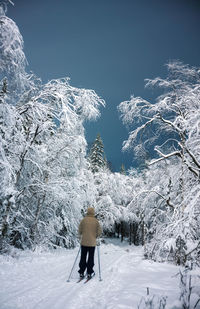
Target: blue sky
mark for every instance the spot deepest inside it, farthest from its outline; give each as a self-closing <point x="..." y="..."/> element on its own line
<point x="110" y="46"/>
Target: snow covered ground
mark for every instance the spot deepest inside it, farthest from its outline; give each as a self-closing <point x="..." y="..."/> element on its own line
<point x="38" y="280"/>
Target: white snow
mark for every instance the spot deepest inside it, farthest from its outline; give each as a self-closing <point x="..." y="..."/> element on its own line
<point x="38" y="280"/>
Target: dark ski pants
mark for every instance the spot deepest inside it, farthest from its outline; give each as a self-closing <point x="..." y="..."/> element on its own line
<point x="86" y="262"/>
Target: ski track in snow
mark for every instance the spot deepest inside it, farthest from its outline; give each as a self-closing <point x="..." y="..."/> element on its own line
<point x="39" y="281"/>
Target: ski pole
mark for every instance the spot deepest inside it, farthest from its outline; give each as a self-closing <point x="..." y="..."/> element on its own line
<point x="68" y="280"/>
<point x="100" y="279"/>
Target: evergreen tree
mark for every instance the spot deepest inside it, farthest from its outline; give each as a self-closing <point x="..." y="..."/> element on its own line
<point x="97" y="156"/>
<point x="122" y="169"/>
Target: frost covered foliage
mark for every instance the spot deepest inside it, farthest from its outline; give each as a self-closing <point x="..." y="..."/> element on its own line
<point x="189" y="295"/>
<point x="44" y="167"/>
<point x="152" y="302"/>
<point x="44" y="164"/>
<point x="45" y="180"/>
<point x="12" y="57"/>
<point x="114" y="193"/>
<point x="189" y="291"/>
<point x="171" y="194"/>
<point x="175" y="114"/>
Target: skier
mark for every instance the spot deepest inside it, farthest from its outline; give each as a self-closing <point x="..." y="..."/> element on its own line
<point x="89" y="230"/>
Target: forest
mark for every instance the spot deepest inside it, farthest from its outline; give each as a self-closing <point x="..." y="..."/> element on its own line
<point x="49" y="176"/>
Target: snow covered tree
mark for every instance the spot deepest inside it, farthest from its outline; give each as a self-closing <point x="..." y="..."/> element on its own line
<point x="44" y="171"/>
<point x="53" y="156"/>
<point x="8" y="139"/>
<point x="114" y="193"/>
<point x="97" y="157"/>
<point x="174" y="117"/>
<point x="122" y="169"/>
<point x="171" y="124"/>
<point x="12" y="57"/>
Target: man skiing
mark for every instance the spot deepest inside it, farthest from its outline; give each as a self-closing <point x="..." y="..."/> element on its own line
<point x="89" y="230"/>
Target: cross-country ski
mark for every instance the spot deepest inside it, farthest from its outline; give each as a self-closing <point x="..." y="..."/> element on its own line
<point x="89" y="278"/>
<point x="80" y="279"/>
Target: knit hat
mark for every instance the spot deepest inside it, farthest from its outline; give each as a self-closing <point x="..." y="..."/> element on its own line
<point x="90" y="211"/>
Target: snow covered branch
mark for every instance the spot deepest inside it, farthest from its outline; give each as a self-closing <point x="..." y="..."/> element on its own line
<point x="175" y="153"/>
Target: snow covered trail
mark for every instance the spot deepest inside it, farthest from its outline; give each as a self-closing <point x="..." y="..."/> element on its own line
<point x="38" y="280"/>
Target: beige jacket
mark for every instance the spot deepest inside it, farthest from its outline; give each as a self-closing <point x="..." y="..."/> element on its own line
<point x="89" y="229"/>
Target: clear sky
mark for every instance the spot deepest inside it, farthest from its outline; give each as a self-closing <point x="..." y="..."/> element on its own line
<point x="110" y="46"/>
